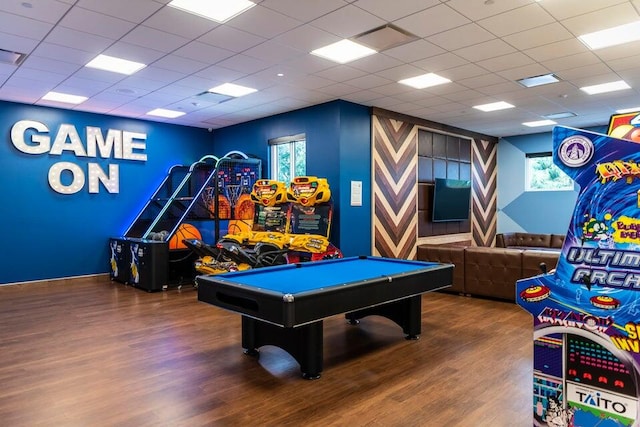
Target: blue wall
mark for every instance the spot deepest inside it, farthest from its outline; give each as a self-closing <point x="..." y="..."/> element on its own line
<point x="338" y="148"/>
<point x="50" y="235"/>
<point x="530" y="211"/>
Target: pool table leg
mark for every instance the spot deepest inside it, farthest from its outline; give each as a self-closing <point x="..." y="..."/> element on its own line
<point x="407" y="313"/>
<point x="304" y="343"/>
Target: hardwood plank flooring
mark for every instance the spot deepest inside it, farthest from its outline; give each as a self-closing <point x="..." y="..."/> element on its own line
<point x="96" y="353"/>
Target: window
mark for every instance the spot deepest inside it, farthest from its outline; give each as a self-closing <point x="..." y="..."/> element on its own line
<point x="543" y="175"/>
<point x="288" y="157"/>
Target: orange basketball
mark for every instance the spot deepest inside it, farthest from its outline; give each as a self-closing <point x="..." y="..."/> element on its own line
<point x="185" y="231"/>
<point x="244" y="208"/>
<point x="224" y="205"/>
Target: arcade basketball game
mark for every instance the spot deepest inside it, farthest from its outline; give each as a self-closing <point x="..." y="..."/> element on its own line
<point x="586" y="312"/>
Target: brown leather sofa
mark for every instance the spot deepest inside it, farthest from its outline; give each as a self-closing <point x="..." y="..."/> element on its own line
<point x="529" y="240"/>
<point x="489" y="272"/>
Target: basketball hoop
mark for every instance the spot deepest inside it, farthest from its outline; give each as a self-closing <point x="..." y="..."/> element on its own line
<point x="233" y="193"/>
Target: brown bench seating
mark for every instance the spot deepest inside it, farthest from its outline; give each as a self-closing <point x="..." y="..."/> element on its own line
<point x="529" y="241"/>
<point x="489" y="272"/>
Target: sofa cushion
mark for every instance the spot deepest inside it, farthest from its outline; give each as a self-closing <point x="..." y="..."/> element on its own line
<point x="492" y="272"/>
<point x="531" y="260"/>
<point x="446" y="254"/>
<point x="557" y="240"/>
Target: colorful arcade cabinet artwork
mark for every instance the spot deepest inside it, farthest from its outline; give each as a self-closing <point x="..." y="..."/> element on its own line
<point x="586" y="312"/>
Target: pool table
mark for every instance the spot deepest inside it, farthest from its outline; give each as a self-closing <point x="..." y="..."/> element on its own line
<point x="285" y="305"/>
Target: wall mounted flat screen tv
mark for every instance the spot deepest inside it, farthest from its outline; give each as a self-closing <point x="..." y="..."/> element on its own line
<point x="451" y="200"/>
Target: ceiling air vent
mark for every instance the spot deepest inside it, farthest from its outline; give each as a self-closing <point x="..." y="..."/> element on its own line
<point x="385" y="37"/>
<point x="213" y="98"/>
<point x="13" y="58"/>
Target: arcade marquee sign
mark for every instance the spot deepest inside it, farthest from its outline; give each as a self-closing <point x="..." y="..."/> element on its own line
<point x="35" y="138"/>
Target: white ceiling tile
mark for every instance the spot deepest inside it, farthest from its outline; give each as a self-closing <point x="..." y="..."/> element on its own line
<point x="627" y="63"/>
<point x="41" y="10"/>
<point x="199" y="51"/>
<point x="400" y="72"/>
<point x="219" y="74"/>
<point x="571" y="61"/>
<point x="139" y="84"/>
<point x="78" y="40"/>
<point x="34" y="85"/>
<point x="310" y="64"/>
<point x="481" y="81"/>
<point x="97" y="75"/>
<point x="263" y="22"/>
<point x="66" y="54"/>
<point x="513" y="21"/>
<point x="539" y="36"/>
<point x="505" y="62"/>
<point x="19" y="93"/>
<point x="363" y="96"/>
<point x="466" y="35"/>
<point x="616" y="15"/>
<point x="243" y="63"/>
<point x="368" y="82"/>
<point x="230" y="38"/>
<point x="134" y="11"/>
<point x="499" y="89"/>
<point x="179" y="22"/>
<point x="463" y="72"/>
<point x="306" y="38"/>
<point x="393" y="10"/>
<point x="556" y="50"/>
<point x="273" y="52"/>
<point x="23" y="27"/>
<point x="374" y="63"/>
<point x="48" y="64"/>
<point x="180" y="64"/>
<point x="159" y="74"/>
<point x="340" y="73"/>
<point x="154" y="39"/>
<point x="589" y="70"/>
<point x="42" y="75"/>
<point x="96" y="23"/>
<point x="476" y="10"/>
<point x="16" y="43"/>
<point x="133" y="52"/>
<point x="432" y="21"/>
<point x="567" y="8"/>
<point x="530" y="70"/>
<point x="414" y="51"/>
<point x="485" y="50"/>
<point x="618" y="52"/>
<point x="440" y="62"/>
<point x="339" y="89"/>
<point x="83" y="87"/>
<point x="303" y="10"/>
<point x="348" y="21"/>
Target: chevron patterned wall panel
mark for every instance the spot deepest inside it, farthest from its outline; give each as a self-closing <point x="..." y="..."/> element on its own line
<point x="395" y="192"/>
<point x="484" y="192"/>
<point x="395" y="184"/>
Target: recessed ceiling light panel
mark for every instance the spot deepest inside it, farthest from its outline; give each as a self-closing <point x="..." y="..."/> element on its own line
<point x="425" y="80"/>
<point x="544" y="79"/>
<point x="606" y="87"/>
<point x="343" y="51"/>
<point x="64" y="97"/>
<point x="612" y="36"/>
<point x="231" y="89"/>
<point x="170" y="114"/>
<point x="215" y="10"/>
<point x="561" y="115"/>
<point x="539" y="123"/>
<point x="628" y="110"/>
<point x="116" y="65"/>
<point x="494" y="106"/>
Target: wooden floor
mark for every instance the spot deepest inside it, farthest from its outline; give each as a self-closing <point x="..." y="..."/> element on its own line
<point x="96" y="353"/>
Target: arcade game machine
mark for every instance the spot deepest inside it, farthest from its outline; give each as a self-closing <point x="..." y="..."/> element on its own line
<point x="290" y="224"/>
<point x="586" y="312"/>
<point x="151" y="254"/>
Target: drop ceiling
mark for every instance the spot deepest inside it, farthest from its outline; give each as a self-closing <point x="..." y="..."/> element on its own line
<point x="483" y="47"/>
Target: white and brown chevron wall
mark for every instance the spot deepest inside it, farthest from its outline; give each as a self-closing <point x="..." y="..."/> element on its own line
<point x="397" y="221"/>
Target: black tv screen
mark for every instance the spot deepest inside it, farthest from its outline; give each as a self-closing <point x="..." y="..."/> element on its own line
<point x="451" y="200"/>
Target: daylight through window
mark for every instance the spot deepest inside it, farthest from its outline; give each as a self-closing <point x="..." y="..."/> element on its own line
<point x="543" y="175"/>
<point x="288" y="157"/>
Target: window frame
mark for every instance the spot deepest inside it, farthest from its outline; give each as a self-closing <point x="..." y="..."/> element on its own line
<point x="527" y="168"/>
<point x="291" y="140"/>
